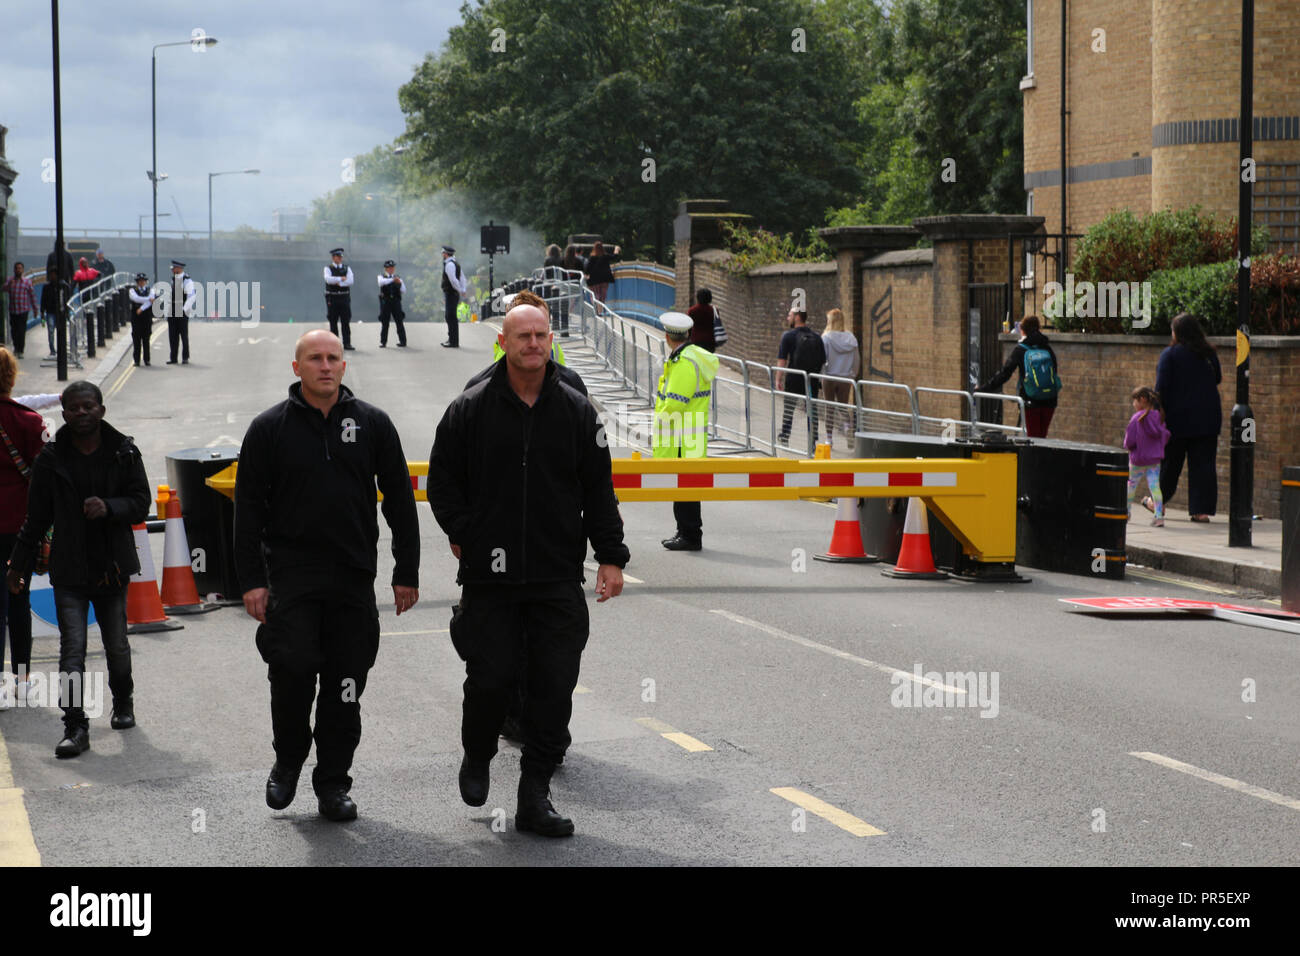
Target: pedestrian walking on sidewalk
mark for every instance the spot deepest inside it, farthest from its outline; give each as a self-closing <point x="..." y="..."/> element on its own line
<point x="22" y="300"/>
<point x="1145" y="439"/>
<point x="306" y="540"/>
<point x="22" y="431"/>
<point x="520" y="480"/>
<point x="51" y="305"/>
<point x="842" y="361"/>
<point x="800" y="349"/>
<point x="1187" y="381"/>
<point x="1038" y="383"/>
<point x="89" y="484"/>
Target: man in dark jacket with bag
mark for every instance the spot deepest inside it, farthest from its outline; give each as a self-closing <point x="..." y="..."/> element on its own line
<point x="306" y="538"/>
<point x="519" y="479"/>
<point x="90" y="484"/>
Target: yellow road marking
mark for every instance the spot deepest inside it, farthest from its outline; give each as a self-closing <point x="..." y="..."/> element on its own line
<point x="17" y="843"/>
<point x="579" y="689"/>
<point x="668" y="732"/>
<point x="1231" y="783"/>
<point x="845" y="821"/>
<point x="1149" y="576"/>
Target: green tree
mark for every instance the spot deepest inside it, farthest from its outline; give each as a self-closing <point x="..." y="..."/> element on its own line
<point x="938" y="81"/>
<point x="552" y="117"/>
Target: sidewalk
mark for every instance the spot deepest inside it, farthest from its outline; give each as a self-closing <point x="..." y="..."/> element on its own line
<point x="33" y="379"/>
<point x="1201" y="550"/>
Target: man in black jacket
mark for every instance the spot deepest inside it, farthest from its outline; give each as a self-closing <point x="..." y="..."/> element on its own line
<point x="90" y="484"/>
<point x="519" y="479"/>
<point x="306" y="540"/>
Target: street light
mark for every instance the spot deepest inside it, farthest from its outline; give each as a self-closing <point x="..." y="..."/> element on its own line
<point x="153" y="95"/>
<point x="139" y="226"/>
<point x="228" y="172"/>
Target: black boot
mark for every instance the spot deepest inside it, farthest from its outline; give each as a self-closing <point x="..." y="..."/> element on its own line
<point x="678" y="543"/>
<point x="474" y="781"/>
<point x="123" y="714"/>
<point x="76" y="741"/>
<point x="281" y="785"/>
<point x="336" y="805"/>
<point x="536" y="812"/>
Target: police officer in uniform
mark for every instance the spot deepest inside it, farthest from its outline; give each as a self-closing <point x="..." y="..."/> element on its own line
<point x="681" y="418"/>
<point x="141" y="317"/>
<point x="305" y="550"/>
<point x="178" y="317"/>
<point x="454" y="285"/>
<point x="338" y="297"/>
<point x="391" y="289"/>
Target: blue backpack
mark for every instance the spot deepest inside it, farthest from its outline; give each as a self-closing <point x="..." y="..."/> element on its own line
<point x="1041" y="381"/>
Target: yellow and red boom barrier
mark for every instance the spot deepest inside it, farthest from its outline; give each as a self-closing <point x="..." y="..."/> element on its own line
<point x="974" y="497"/>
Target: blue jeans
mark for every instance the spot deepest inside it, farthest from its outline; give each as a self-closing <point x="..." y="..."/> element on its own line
<point x="51" y="320"/>
<point x="110" y="613"/>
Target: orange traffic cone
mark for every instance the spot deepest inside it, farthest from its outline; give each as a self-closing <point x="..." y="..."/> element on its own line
<point x="915" y="559"/>
<point x="846" y="538"/>
<point x="180" y="595"/>
<point x="144" y="608"/>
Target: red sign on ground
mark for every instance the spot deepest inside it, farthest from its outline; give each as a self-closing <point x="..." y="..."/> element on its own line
<point x="1153" y="604"/>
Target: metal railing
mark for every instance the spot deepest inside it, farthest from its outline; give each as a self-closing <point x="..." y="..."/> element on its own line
<point x="748" y="410"/>
<point x="80" y="302"/>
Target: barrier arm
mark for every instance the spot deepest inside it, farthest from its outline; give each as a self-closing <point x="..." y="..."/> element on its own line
<point x="974" y="497"/>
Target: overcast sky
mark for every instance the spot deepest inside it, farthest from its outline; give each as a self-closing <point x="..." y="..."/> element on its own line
<point x="291" y="88"/>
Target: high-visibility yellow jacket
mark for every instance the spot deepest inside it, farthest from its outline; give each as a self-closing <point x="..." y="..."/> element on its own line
<point x="682" y="403"/>
<point x="557" y="353"/>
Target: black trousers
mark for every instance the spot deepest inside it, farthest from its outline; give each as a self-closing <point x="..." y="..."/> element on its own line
<point x="325" y="628"/>
<point x="1202" y="481"/>
<point x="453" y="323"/>
<point x="795" y="397"/>
<point x="338" y="309"/>
<point x="689" y="524"/>
<point x="72" y="605"/>
<point x="539" y="629"/>
<point x="15" y="618"/>
<point x="18" y="331"/>
<point x="141" y="330"/>
<point x="178" y="333"/>
<point x="391" y="310"/>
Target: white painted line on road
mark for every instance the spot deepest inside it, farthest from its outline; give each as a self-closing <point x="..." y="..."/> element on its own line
<point x="685" y="741"/>
<point x="1231" y="783"/>
<point x="627" y="578"/>
<point x="843" y="820"/>
<point x="834" y="651"/>
<point x="436" y="630"/>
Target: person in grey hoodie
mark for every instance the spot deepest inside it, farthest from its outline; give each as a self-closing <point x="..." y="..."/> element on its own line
<point x="842" y="356"/>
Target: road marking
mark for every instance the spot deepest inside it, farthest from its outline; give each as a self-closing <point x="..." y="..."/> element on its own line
<point x="17" y="842"/>
<point x="436" y="630"/>
<point x="835" y="651"/>
<point x="845" y="821"/>
<point x="685" y="741"/>
<point x="1149" y="576"/>
<point x="579" y="689"/>
<point x="627" y="578"/>
<point x="1232" y="784"/>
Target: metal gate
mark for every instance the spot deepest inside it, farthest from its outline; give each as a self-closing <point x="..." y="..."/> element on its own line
<point x="987" y="312"/>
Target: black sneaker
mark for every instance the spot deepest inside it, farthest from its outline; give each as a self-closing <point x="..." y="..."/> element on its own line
<point x="678" y="543"/>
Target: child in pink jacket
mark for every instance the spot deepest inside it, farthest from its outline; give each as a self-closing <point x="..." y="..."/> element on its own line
<point x="1145" y="440"/>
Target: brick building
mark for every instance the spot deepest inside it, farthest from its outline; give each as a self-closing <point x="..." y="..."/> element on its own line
<point x="1152" y="99"/>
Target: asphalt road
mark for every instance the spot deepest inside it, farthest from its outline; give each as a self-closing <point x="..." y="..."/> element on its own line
<point x="786" y="742"/>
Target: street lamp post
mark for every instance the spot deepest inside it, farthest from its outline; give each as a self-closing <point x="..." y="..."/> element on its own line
<point x="228" y="172"/>
<point x="153" y="97"/>
<point x="139" y="229"/>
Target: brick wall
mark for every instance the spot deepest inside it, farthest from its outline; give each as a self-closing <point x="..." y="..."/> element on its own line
<point x="753" y="306"/>
<point x="1099" y="372"/>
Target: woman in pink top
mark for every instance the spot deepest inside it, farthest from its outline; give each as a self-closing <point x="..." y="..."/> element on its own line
<point x="1145" y="440"/>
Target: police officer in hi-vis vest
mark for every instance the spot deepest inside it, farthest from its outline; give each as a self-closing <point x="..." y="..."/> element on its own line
<point x="183" y="295"/>
<point x="338" y="297"/>
<point x="391" y="289"/>
<point x="681" y="418"/>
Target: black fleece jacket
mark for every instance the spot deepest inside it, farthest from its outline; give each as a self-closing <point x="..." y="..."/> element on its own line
<point x="53" y="500"/>
<point x="305" y="493"/>
<point x="522" y="489"/>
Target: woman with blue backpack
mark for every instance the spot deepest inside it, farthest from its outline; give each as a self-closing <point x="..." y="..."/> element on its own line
<point x="1039" y="384"/>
